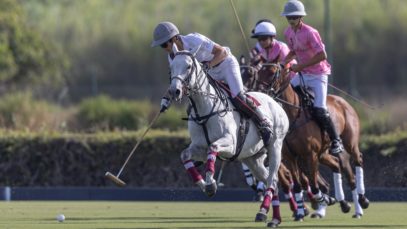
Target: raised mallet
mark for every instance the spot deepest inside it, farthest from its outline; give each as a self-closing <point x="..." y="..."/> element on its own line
<point x="116" y="178"/>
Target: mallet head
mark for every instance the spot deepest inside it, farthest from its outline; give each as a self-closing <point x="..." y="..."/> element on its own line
<point x="115" y="179"/>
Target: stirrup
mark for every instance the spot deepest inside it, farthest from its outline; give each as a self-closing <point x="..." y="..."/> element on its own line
<point x="336" y="146"/>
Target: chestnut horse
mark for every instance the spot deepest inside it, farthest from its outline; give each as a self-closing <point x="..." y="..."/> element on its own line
<point x="309" y="144"/>
<point x="260" y="82"/>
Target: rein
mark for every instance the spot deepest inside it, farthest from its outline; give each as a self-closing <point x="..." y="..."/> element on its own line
<point x="218" y="97"/>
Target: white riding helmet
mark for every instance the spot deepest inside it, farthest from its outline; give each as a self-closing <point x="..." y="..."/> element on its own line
<point x="163" y="32"/>
<point x="264" y="29"/>
<point x="294" y="8"/>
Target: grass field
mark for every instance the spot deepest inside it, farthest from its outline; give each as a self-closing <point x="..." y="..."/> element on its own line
<point x="101" y="215"/>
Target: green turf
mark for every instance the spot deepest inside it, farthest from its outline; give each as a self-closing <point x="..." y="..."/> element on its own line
<point x="87" y="214"/>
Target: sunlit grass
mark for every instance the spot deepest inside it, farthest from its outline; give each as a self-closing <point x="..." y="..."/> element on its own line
<point x="86" y="214"/>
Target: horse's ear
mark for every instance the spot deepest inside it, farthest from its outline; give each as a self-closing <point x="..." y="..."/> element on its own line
<point x="174" y="48"/>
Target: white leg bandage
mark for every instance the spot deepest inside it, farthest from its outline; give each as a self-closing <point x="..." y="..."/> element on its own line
<point x="358" y="208"/>
<point x="339" y="195"/>
<point x="360" y="185"/>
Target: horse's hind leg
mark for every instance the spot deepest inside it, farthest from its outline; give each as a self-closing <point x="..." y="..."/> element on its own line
<point x="358" y="190"/>
<point x="286" y="182"/>
<point x="270" y="177"/>
<point x="358" y="193"/>
<point x="259" y="171"/>
<point x="360" y="185"/>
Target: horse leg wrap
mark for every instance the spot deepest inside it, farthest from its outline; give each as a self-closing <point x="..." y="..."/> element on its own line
<point x="275" y="202"/>
<point x="358" y="208"/>
<point x="265" y="205"/>
<point x="210" y="164"/>
<point x="293" y="205"/>
<point x="300" y="203"/>
<point x="309" y="193"/>
<point x="339" y="195"/>
<point x="192" y="171"/>
<point x="359" y="180"/>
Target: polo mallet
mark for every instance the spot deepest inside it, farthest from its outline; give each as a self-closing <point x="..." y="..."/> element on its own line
<point x="220" y="174"/>
<point x="116" y="178"/>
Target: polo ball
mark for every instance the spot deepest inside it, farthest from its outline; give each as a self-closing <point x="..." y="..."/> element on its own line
<point x="61" y="218"/>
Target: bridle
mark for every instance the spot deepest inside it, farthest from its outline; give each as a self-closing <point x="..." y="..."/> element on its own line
<point x="220" y="105"/>
<point x="277" y="79"/>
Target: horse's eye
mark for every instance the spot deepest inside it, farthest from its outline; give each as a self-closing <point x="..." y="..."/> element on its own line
<point x="189" y="67"/>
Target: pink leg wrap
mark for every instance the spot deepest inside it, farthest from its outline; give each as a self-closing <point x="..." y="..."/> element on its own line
<point x="309" y="193"/>
<point x="293" y="204"/>
<point x="267" y="200"/>
<point x="276" y="207"/>
<point x="192" y="171"/>
<point x="210" y="164"/>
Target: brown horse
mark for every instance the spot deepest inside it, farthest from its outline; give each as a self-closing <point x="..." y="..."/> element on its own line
<point x="255" y="82"/>
<point x="310" y="145"/>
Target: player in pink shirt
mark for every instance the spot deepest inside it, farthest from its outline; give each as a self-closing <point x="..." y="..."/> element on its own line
<point x="307" y="48"/>
<point x="271" y="49"/>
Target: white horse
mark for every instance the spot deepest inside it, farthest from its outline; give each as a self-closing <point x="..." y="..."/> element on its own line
<point x="213" y="127"/>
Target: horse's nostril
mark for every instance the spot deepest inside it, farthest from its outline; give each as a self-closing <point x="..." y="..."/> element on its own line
<point x="177" y="92"/>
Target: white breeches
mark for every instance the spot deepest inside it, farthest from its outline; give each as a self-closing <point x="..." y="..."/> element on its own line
<point x="318" y="84"/>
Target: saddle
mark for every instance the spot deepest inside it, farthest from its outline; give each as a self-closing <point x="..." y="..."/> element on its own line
<point x="306" y="95"/>
<point x="244" y="125"/>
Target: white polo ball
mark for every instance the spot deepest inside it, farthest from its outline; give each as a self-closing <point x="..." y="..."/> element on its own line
<point x="61" y="218"/>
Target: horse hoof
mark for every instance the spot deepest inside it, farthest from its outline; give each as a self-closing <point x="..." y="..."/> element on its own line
<point x="273" y="223"/>
<point x="330" y="200"/>
<point x="299" y="218"/>
<point x="306" y="212"/>
<point x="345" y="206"/>
<point x="363" y="201"/>
<point x="357" y="216"/>
<point x="316" y="216"/>
<point x="260" y="217"/>
<point x="210" y="189"/>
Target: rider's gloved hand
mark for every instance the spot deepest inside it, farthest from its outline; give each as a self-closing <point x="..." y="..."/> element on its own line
<point x="206" y="66"/>
<point x="165" y="104"/>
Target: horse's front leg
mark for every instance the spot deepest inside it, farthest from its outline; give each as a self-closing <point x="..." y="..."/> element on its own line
<point x="223" y="147"/>
<point x="335" y="164"/>
<point x="322" y="199"/>
<point x="188" y="158"/>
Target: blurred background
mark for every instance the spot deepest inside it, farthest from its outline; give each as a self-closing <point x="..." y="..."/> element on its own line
<point x="72" y="65"/>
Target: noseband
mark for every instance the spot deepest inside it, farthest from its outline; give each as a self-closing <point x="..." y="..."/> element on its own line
<point x="186" y="81"/>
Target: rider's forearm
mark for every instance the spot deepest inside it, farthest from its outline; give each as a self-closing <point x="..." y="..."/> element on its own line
<point x="219" y="54"/>
<point x="314" y="60"/>
<point x="290" y="56"/>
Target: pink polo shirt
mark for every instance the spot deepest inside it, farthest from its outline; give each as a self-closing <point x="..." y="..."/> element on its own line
<point x="277" y="53"/>
<point x="306" y="43"/>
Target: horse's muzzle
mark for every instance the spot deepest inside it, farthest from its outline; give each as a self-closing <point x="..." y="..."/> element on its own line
<point x="175" y="93"/>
